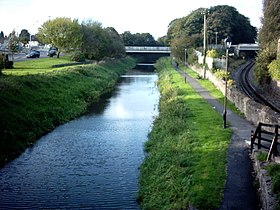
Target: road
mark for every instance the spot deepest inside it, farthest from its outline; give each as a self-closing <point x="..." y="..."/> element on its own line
<point x="22" y="56"/>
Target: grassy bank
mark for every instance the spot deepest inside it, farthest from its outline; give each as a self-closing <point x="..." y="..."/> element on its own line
<point x="34" y="98"/>
<point x="186" y="150"/>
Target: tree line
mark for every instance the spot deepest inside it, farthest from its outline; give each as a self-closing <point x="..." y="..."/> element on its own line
<point x="222" y="21"/>
<point x="88" y="38"/>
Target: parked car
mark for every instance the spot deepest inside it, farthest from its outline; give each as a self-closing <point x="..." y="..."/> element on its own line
<point x="33" y="54"/>
<point x="52" y="52"/>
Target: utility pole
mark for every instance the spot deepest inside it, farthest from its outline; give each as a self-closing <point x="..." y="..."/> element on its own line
<point x="204" y="43"/>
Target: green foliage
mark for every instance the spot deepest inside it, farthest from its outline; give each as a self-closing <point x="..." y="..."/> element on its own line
<point x="274" y="69"/>
<point x="270" y="30"/>
<point x="192" y="58"/>
<point x="262" y="156"/>
<point x="268" y="38"/>
<point x="62" y="33"/>
<point x="138" y="39"/>
<point x="1" y="63"/>
<point x="265" y="57"/>
<point x="186" y="149"/>
<point x="212" y="53"/>
<point x="13" y="42"/>
<point x="274" y="171"/>
<point x="98" y="43"/>
<point x="35" y="98"/>
<point x="24" y="36"/>
<point x="225" y="20"/>
<point x="78" y="56"/>
<point x="221" y="74"/>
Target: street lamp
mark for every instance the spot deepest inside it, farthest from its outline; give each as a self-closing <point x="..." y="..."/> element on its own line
<point x="227" y="45"/>
<point x="216" y="39"/>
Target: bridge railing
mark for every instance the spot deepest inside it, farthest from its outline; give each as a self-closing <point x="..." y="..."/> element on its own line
<point x="147" y="48"/>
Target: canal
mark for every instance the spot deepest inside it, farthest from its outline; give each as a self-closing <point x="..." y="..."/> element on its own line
<point x="91" y="162"/>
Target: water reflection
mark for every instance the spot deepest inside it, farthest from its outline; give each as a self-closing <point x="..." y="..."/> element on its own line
<point x="91" y="162"/>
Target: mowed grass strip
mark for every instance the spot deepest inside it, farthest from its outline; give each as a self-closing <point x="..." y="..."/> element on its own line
<point x="36" y="66"/>
<point x="33" y="104"/>
<point x="186" y="150"/>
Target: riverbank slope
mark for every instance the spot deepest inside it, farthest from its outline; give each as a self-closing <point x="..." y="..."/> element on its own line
<point x="34" y="103"/>
<point x="186" y="161"/>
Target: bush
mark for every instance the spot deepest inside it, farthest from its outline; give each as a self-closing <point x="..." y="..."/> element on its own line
<point x="1" y="63"/>
<point x="274" y="69"/>
<point x="212" y="53"/>
<point x="78" y="56"/>
<point x="265" y="57"/>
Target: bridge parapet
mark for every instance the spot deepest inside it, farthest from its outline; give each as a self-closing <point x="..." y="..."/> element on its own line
<point x="147" y="49"/>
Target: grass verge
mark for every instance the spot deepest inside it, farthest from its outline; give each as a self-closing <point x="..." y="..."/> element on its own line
<point x="33" y="103"/>
<point x="186" y="150"/>
<point x="212" y="89"/>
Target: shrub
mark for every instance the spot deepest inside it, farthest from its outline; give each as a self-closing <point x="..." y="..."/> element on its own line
<point x="265" y="57"/>
<point x="274" y="69"/>
<point x="78" y="56"/>
<point x="221" y="74"/>
<point x="1" y="63"/>
<point x="212" y="53"/>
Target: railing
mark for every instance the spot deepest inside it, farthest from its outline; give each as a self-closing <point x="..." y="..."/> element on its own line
<point x="266" y="138"/>
<point x="147" y="49"/>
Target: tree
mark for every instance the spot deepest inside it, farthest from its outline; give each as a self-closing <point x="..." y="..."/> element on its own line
<point x="138" y="39"/>
<point x="62" y="33"/>
<point x="24" y="36"/>
<point x="13" y="43"/>
<point x="268" y="38"/>
<point x="222" y="19"/>
<point x="116" y="43"/>
<point x="95" y="40"/>
<point x="226" y="20"/>
<point x="2" y="37"/>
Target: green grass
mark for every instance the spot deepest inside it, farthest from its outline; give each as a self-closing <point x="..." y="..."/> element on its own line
<point x="186" y="150"/>
<point x="211" y="88"/>
<point x="33" y="104"/>
<point x="274" y="172"/>
<point x="36" y="66"/>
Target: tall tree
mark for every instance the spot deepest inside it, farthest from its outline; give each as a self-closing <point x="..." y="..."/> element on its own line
<point x="268" y="38"/>
<point x="117" y="46"/>
<point x="13" y="43"/>
<point x="95" y="40"/>
<point x="222" y="19"/>
<point x="62" y="33"/>
<point x="24" y="36"/>
<point x="2" y="37"/>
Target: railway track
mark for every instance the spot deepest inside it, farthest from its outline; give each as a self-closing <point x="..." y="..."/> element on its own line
<point x="250" y="90"/>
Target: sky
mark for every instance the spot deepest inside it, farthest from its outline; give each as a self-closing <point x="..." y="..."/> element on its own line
<point x="141" y="16"/>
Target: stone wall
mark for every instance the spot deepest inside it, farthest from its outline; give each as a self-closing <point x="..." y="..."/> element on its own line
<point x="253" y="111"/>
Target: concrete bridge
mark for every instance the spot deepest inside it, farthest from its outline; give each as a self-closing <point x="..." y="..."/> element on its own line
<point x="246" y="48"/>
<point x="147" y="55"/>
<point x="147" y="49"/>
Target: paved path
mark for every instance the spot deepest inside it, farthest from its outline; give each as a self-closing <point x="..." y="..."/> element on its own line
<point x="239" y="193"/>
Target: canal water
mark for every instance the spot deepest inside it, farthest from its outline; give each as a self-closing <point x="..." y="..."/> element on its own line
<point x="91" y="162"/>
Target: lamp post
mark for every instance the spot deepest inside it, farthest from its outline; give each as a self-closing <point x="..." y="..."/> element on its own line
<point x="227" y="45"/>
<point x="216" y="39"/>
